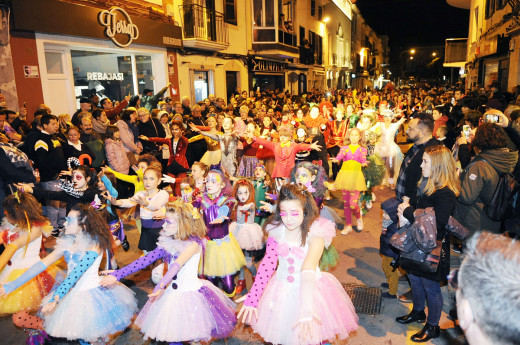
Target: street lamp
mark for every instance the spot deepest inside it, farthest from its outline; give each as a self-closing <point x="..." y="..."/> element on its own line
<point x="434" y="54"/>
<point x="412" y="51"/>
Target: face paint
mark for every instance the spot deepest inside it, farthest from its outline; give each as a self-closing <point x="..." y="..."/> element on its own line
<point x="213" y="184"/>
<point x="78" y="180"/>
<point x="243" y="193"/>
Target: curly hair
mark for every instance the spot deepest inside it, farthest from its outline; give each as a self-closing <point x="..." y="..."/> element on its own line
<point x="315" y="170"/>
<point x="310" y="210"/>
<point x="489" y="136"/>
<point x="17" y="206"/>
<point x="95" y="225"/>
<point x="191" y="223"/>
<point x="250" y="188"/>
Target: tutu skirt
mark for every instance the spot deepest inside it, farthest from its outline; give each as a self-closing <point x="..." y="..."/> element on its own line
<point x="211" y="157"/>
<point x="223" y="257"/>
<point x="29" y="296"/>
<point x="350" y="177"/>
<point x="197" y="315"/>
<point x="247" y="166"/>
<point x="91" y="314"/>
<point x="277" y="313"/>
<point x="249" y="236"/>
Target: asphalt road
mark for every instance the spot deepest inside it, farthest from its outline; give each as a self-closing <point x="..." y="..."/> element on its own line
<point x="360" y="263"/>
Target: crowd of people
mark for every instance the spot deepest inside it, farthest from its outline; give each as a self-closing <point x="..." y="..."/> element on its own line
<point x="215" y="188"/>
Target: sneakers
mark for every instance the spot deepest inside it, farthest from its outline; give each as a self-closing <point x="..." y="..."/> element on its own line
<point x="360" y="224"/>
<point x="346" y="230"/>
<point x="387" y="294"/>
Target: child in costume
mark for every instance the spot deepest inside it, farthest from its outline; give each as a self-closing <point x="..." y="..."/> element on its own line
<point x="249" y="235"/>
<point x="263" y="186"/>
<point x="21" y="234"/>
<point x="152" y="208"/>
<point x="199" y="171"/>
<point x="223" y="257"/>
<point x="181" y="307"/>
<point x="386" y="147"/>
<point x="338" y="129"/>
<point x="350" y="178"/>
<point x="295" y="303"/>
<point x="249" y="160"/>
<point x="80" y="309"/>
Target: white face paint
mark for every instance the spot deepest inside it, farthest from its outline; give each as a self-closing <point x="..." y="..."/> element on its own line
<point x="243" y="193"/>
<point x="171" y="224"/>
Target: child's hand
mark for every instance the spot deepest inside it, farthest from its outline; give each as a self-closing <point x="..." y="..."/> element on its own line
<point x="2" y="291"/>
<point x="334" y="160"/>
<point x="154" y="296"/>
<point x="247" y="313"/>
<point x="306" y="328"/>
<point x="219" y="220"/>
<point x="315" y="146"/>
<point x="364" y="164"/>
<point x="266" y="207"/>
<point x="329" y="186"/>
<point x="108" y="280"/>
<point x="167" y="179"/>
<point x="143" y="137"/>
<point x="65" y="173"/>
<point x="49" y="307"/>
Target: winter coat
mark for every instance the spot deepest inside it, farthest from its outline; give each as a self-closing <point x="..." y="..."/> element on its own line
<point x="116" y="156"/>
<point x="127" y="137"/>
<point x="479" y="182"/>
<point x="443" y="202"/>
<point x="385" y="248"/>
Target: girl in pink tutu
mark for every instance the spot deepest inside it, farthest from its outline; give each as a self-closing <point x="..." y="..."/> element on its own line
<point x="182" y="307"/>
<point x="296" y="303"/>
<point x="249" y="235"/>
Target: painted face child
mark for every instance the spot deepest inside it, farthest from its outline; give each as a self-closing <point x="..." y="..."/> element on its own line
<point x="171" y="224"/>
<point x="243" y="194"/>
<point x="214" y="184"/>
<point x="186" y="191"/>
<point x="260" y="172"/>
<point x="304" y="177"/>
<point x="291" y="212"/>
<point x="79" y="180"/>
<point x="354" y="136"/>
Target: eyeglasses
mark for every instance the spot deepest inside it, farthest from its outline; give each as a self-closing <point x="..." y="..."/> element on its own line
<point x="453" y="279"/>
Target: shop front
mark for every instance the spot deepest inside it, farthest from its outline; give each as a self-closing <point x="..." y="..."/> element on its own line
<point x="267" y="74"/>
<point x="84" y="50"/>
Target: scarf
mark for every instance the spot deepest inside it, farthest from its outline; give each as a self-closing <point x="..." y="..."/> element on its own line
<point x="100" y="127"/>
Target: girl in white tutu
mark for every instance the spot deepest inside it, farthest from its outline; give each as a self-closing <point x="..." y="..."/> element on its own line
<point x="182" y="307"/>
<point x="296" y="303"/>
<point x="249" y="235"/>
<point x="386" y="147"/>
<point x="80" y="309"/>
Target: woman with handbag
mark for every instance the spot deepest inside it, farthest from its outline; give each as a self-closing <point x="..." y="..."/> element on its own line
<point x="438" y="188"/>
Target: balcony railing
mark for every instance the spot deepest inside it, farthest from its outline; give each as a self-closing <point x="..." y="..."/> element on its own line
<point x="201" y="23"/>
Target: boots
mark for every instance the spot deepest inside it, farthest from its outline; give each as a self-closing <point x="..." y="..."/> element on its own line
<point x="241" y="286"/>
<point x="414" y="316"/>
<point x="428" y="332"/>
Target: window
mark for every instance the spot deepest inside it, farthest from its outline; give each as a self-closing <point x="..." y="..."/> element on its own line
<point x="230" y="12"/>
<point x="490" y="8"/>
<point x="320" y="12"/>
<point x="313" y="8"/>
<point x="319" y="51"/>
<point x="263" y="13"/>
<point x="354" y="22"/>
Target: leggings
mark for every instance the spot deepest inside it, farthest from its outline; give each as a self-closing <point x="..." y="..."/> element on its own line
<point x="228" y="283"/>
<point x="250" y="267"/>
<point x="350" y="200"/>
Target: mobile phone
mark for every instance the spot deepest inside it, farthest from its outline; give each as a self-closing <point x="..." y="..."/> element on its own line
<point x="492" y="118"/>
<point x="453" y="100"/>
<point x="466" y="129"/>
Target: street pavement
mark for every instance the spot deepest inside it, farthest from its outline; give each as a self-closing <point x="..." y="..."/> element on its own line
<point x="360" y="263"/>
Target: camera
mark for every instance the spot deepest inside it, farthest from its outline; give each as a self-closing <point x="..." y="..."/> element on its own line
<point x="492" y="118"/>
<point x="466" y="129"/>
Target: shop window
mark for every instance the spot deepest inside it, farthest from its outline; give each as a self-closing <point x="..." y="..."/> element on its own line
<point x="230" y="12"/>
<point x="143" y="69"/>
<point x="201" y="85"/>
<point x="54" y="62"/>
<point x="490" y="72"/>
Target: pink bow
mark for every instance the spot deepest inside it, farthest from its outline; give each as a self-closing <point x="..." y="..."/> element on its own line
<point x="284" y="249"/>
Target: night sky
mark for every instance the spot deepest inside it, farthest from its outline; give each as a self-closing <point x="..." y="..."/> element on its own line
<point x="412" y="23"/>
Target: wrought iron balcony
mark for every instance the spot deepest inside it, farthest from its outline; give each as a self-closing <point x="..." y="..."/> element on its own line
<point x="203" y="28"/>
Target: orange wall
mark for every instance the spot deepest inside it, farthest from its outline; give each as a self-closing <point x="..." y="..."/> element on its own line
<point x="29" y="90"/>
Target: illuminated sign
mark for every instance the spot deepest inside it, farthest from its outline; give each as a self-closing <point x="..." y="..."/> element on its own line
<point x="105" y="76"/>
<point x="118" y="26"/>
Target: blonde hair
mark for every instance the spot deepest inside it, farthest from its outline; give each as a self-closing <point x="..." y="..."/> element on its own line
<point x="362" y="140"/>
<point x="443" y="171"/>
<point x="190" y="220"/>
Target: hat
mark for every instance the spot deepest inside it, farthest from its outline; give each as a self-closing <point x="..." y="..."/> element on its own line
<point x="146" y="91"/>
<point x="161" y="113"/>
<point x="84" y="100"/>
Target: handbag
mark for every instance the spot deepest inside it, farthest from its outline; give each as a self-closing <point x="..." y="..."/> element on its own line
<point x="421" y="261"/>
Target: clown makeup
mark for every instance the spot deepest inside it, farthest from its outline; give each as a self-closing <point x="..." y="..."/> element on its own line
<point x="291" y="212"/>
<point x="186" y="191"/>
<point x="214" y="184"/>
<point x="243" y="193"/>
<point x="72" y="226"/>
<point x="171" y="224"/>
<point x="300" y="133"/>
<point x="304" y="177"/>
<point x="259" y="173"/>
<point x="227" y="124"/>
<point x="78" y="180"/>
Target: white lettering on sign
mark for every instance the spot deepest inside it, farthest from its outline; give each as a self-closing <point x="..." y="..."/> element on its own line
<point x="171" y="41"/>
<point x="270" y="66"/>
<point x="104" y="76"/>
<point x="114" y="27"/>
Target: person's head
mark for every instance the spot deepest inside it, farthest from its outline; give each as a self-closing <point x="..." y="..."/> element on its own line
<point x="228" y="123"/>
<point x="196" y="111"/>
<point x="37" y="123"/>
<point x="441" y="132"/>
<point x="100" y="115"/>
<point x="50" y="123"/>
<point x="489" y="136"/>
<point x="488" y="281"/>
<point x="107" y="104"/>
<point x="22" y="207"/>
<point x="147" y="92"/>
<point x="438" y="112"/>
<point x="472" y="118"/>
<point x="420" y="128"/>
<point x="86" y="125"/>
<point x="145" y="161"/>
<point x="94" y="99"/>
<point x="469" y="104"/>
<point x="163" y="116"/>
<point x="260" y="171"/>
<point x="85" y="219"/>
<point x="83" y="177"/>
<point x="152" y="178"/>
<point x="177" y="107"/>
<point x="220" y="119"/>
<point x="143" y="114"/>
<point x="296" y="210"/>
<point x="309" y="175"/>
<point x="112" y="132"/>
<point x="199" y="170"/>
<point x="3" y="117"/>
<point x="84" y="104"/>
<point x="177" y="129"/>
<point x="355" y="136"/>
<point x="244" y="192"/>
<point x="458" y="94"/>
<point x="186" y="101"/>
<point x="188" y="186"/>
<point x="73" y="134"/>
<point x="111" y="177"/>
<point x="10" y="115"/>
<point x="129" y="115"/>
<point x="44" y="108"/>
<point x="314" y="112"/>
<point x="244" y="112"/>
<point x="217" y="184"/>
<point x="285" y="134"/>
<point x="183" y="221"/>
<point x="439" y="170"/>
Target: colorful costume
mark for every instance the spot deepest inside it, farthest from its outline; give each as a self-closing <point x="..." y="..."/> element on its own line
<point x="86" y="310"/>
<point x="28" y="296"/>
<point x="388" y="150"/>
<point x="190" y="309"/>
<point x="277" y="297"/>
<point x="249" y="235"/>
<point x="249" y="160"/>
<point x="228" y="148"/>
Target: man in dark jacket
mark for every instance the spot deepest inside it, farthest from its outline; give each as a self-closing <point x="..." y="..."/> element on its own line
<point x="149" y="100"/>
<point x="151" y="128"/>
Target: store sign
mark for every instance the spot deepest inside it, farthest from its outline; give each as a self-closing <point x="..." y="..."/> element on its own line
<point x="118" y="26"/>
<point x="105" y="76"/>
<point x="267" y="66"/>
